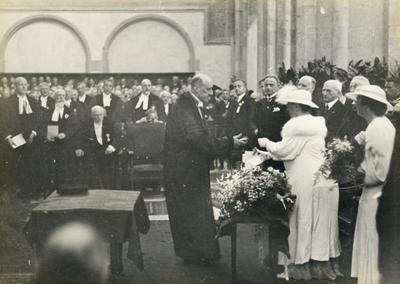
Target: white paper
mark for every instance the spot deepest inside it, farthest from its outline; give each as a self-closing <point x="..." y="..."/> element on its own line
<point x="18" y="140"/>
<point x="253" y="162"/>
<point x="52" y="131"/>
<point x="247" y="155"/>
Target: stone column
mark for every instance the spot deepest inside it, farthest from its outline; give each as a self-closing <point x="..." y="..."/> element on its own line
<point x="270" y="30"/>
<point x="340" y="33"/>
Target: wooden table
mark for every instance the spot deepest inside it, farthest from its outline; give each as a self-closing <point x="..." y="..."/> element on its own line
<point x="117" y="215"/>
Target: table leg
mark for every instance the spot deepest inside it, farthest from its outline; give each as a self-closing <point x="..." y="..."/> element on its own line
<point x="116" y="258"/>
<point x="233" y="252"/>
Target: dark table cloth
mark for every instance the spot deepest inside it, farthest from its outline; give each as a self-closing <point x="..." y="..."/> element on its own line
<point x="117" y="215"/>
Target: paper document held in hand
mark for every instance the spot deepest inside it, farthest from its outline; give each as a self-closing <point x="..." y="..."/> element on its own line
<point x="52" y="131"/>
<point x="18" y="140"/>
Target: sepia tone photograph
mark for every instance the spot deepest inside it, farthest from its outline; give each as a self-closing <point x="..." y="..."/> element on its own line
<point x="199" y="141"/>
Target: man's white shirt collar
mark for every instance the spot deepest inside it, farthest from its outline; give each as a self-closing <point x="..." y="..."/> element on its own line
<point x="241" y="97"/>
<point x="330" y="104"/>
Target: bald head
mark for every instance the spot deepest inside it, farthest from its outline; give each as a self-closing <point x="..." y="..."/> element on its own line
<point x="202" y="87"/>
<point x="358" y="81"/>
<point x="307" y="83"/>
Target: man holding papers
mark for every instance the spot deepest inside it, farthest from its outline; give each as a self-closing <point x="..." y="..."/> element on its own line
<point x="21" y="122"/>
<point x="58" y="129"/>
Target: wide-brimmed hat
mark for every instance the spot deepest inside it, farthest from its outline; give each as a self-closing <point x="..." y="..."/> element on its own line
<point x="372" y="92"/>
<point x="296" y="96"/>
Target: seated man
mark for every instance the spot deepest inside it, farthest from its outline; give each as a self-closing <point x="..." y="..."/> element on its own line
<point x="151" y="117"/>
<point x="96" y="144"/>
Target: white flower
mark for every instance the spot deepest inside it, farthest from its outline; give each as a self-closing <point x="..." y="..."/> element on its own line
<point x="270" y="169"/>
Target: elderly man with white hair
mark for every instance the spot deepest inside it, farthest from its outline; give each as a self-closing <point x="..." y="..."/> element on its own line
<point x="166" y="101"/>
<point x="96" y="144"/>
<point x="144" y="100"/>
<point x="58" y="129"/>
<point x="21" y="121"/>
<point x="188" y="152"/>
<point x="333" y="111"/>
<point x="352" y="123"/>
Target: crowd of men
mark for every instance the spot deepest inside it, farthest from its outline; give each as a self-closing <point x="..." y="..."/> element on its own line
<point x="54" y="134"/>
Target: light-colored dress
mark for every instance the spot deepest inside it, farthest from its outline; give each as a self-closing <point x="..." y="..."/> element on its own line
<point x="379" y="139"/>
<point x="313" y="222"/>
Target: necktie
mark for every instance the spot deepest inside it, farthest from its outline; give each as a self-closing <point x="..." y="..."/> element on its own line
<point x="325" y="110"/>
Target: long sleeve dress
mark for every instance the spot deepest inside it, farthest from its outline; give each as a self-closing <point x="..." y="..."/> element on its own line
<point x="313" y="220"/>
<point x="379" y="138"/>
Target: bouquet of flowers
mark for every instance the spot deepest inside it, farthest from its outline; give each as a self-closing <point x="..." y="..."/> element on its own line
<point x="253" y="192"/>
<point x="342" y="158"/>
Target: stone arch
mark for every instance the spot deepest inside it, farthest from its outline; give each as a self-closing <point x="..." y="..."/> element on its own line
<point x="150" y="17"/>
<point x="44" y="18"/>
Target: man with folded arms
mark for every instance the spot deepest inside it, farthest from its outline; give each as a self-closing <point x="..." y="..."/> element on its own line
<point x="21" y="118"/>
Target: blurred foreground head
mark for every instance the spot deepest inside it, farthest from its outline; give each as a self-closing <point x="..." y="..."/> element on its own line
<point x="73" y="253"/>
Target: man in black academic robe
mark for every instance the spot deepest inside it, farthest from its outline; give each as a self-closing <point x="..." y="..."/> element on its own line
<point x="107" y="100"/>
<point x="145" y="101"/>
<point x="188" y="152"/>
<point x="21" y="115"/>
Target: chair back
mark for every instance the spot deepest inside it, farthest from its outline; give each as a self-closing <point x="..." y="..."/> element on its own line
<point x="146" y="140"/>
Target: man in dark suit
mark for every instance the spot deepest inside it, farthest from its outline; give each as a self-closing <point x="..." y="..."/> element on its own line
<point x="219" y="116"/>
<point x="239" y="117"/>
<point x="45" y="101"/>
<point x="82" y="97"/>
<point x="56" y="154"/>
<point x="145" y="100"/>
<point x="166" y="102"/>
<point x="21" y="115"/>
<point x="96" y="143"/>
<point x="107" y="99"/>
<point x="188" y="152"/>
<point x="333" y="111"/>
<point x="269" y="117"/>
<point x="352" y="123"/>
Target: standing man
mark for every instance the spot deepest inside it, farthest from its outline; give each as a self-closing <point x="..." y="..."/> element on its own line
<point x="166" y="100"/>
<point x="333" y="111"/>
<point x="107" y="99"/>
<point x="188" y="151"/>
<point x="351" y="123"/>
<point x="269" y="117"/>
<point x="144" y="101"/>
<point x="239" y="118"/>
<point x="393" y="95"/>
<point x="308" y="83"/>
<point x="82" y="97"/>
<point x="21" y="116"/>
<point x="45" y="101"/>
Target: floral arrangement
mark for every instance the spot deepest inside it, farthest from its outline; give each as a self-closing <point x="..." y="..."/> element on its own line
<point x="252" y="191"/>
<point x="342" y="158"/>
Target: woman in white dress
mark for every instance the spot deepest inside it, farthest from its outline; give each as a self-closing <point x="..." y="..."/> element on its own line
<point x="313" y="221"/>
<point x="379" y="139"/>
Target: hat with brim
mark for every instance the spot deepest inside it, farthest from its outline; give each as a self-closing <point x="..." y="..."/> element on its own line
<point x="372" y="92"/>
<point x="302" y="97"/>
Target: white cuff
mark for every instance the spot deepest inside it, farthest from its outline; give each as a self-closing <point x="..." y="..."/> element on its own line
<point x="111" y="147"/>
